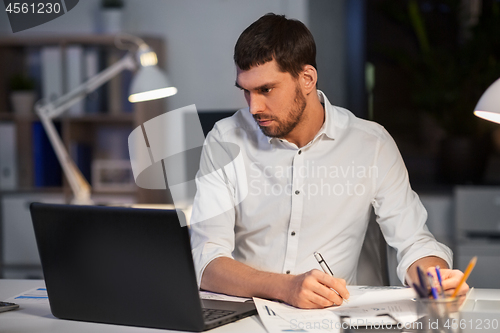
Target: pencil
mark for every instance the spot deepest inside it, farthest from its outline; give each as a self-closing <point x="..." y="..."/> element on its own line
<point x="467" y="272"/>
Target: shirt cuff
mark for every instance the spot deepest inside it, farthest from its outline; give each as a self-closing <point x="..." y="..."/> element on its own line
<point x="435" y="250"/>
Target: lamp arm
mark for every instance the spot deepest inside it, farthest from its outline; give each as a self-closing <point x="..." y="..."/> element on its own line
<point x="80" y="187"/>
<point x="64" y="102"/>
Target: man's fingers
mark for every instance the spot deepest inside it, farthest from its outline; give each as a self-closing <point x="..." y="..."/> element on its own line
<point x="451" y="279"/>
<point x="330" y="296"/>
<point x="315" y="289"/>
<point x="321" y="301"/>
<point x="339" y="285"/>
<point x="313" y="294"/>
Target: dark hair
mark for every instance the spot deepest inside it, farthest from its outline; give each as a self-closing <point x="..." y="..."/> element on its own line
<point x="272" y="36"/>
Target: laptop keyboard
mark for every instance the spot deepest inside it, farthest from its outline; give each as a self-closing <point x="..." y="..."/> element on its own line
<point x="213" y="314"/>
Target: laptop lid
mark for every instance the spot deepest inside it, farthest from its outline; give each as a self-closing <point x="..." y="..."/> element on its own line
<point x="120" y="266"/>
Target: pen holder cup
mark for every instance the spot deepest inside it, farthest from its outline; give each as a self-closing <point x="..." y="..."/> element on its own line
<point x="439" y="315"/>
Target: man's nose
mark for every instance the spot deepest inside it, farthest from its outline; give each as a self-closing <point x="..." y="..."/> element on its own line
<point x="255" y="103"/>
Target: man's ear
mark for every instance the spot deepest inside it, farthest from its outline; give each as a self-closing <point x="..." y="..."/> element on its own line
<point x="309" y="77"/>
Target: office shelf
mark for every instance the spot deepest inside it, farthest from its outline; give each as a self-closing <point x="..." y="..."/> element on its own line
<point x="87" y="128"/>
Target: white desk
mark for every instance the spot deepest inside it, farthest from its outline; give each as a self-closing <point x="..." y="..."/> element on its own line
<point x="38" y="318"/>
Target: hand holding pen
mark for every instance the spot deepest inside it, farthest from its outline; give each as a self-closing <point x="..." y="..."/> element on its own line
<point x="326" y="269"/>
<point x="446" y="280"/>
<point x="313" y="290"/>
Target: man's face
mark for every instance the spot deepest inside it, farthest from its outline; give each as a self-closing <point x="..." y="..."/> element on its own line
<point x="274" y="98"/>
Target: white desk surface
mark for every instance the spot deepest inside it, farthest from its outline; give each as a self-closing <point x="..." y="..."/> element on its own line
<point x="38" y="318"/>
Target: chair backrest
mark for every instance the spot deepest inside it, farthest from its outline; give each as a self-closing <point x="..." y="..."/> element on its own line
<point x="373" y="268"/>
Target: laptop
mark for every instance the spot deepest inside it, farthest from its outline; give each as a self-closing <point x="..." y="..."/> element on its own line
<point x="124" y="266"/>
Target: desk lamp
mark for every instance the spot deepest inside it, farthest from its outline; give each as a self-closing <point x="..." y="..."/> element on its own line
<point x="488" y="106"/>
<point x="149" y="83"/>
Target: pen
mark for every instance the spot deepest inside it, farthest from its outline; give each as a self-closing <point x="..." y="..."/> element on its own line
<point x="420" y="292"/>
<point x="467" y="272"/>
<point x="438" y="273"/>
<point x="326" y="269"/>
<point x="423" y="284"/>
<point x="323" y="263"/>
<point x="431" y="283"/>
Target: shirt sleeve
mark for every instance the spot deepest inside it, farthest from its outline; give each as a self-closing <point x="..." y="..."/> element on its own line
<point x="213" y="218"/>
<point x="399" y="211"/>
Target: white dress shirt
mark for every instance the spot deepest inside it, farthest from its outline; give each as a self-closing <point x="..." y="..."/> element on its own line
<point x="271" y="205"/>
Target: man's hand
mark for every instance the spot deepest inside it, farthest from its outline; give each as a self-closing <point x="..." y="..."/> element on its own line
<point x="309" y="290"/>
<point x="450" y="278"/>
<point x="313" y="290"/>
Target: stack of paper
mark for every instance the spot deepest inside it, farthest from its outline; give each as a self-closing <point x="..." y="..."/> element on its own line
<point x="374" y="307"/>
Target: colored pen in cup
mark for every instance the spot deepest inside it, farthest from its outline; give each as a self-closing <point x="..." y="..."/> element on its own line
<point x="326" y="269"/>
<point x="423" y="283"/>
<point x="431" y="283"/>
<point x="418" y="289"/>
<point x="438" y="273"/>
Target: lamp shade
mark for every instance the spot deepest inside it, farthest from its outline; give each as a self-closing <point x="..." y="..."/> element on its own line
<point x="150" y="83"/>
<point x="488" y="106"/>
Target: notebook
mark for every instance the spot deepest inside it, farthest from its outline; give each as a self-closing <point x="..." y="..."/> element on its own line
<point x="124" y="266"/>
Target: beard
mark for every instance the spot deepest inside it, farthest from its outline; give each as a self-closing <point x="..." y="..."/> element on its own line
<point x="285" y="126"/>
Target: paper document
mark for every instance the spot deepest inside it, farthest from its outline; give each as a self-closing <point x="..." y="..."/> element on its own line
<point x="381" y="314"/>
<point x="371" y="306"/>
<point x="280" y="317"/>
<point x="375" y="307"/>
<point x="35" y="295"/>
<point x="222" y="297"/>
<point x="363" y="295"/>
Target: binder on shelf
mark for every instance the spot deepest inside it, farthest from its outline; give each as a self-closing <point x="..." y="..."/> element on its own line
<point x="95" y="61"/>
<point x="8" y="160"/>
<point x="74" y="75"/>
<point x="126" y="81"/>
<point x="114" y="86"/>
<point x="52" y="72"/>
<point x="103" y="90"/>
<point x="47" y="170"/>
<point x="82" y="156"/>
<point x="34" y="65"/>
<point x="91" y="69"/>
<point x="112" y="143"/>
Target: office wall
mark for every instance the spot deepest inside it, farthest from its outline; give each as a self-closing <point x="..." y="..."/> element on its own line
<point x="199" y="38"/>
<point x="327" y="22"/>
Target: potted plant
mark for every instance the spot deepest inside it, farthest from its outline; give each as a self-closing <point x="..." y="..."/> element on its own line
<point x="22" y="94"/>
<point x="447" y="73"/>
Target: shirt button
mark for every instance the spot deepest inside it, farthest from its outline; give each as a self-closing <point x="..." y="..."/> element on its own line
<point x="293" y="233"/>
<point x="287" y="272"/>
<point x="297" y="192"/>
<point x="300" y="152"/>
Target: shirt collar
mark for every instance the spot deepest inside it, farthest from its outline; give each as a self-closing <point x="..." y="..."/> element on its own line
<point x="328" y="127"/>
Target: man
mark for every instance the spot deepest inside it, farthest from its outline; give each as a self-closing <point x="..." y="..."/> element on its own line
<point x="303" y="178"/>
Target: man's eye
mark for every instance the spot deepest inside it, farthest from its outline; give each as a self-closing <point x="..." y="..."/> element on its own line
<point x="266" y="90"/>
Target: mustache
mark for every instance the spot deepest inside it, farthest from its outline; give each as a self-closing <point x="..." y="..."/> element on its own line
<point x="259" y="117"/>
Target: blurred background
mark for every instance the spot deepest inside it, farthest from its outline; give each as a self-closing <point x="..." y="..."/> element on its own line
<point x="418" y="67"/>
